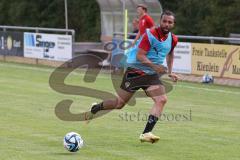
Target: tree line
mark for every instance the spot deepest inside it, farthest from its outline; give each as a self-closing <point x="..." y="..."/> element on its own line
<point x="193" y="17"/>
<point x="205" y="17"/>
<point x="83" y="15"/>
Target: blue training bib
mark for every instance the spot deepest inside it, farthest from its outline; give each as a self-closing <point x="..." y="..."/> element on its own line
<point x="157" y="53"/>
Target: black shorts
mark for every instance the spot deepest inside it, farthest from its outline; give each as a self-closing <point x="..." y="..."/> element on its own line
<point x="134" y="79"/>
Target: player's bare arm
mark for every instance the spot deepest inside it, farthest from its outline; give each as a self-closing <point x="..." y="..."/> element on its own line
<point x="169" y="59"/>
<point x="137" y="37"/>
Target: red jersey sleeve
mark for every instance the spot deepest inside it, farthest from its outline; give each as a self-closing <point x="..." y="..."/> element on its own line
<point x="174" y="42"/>
<point x="145" y="44"/>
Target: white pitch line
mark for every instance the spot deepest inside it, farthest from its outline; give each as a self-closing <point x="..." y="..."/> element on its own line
<point x="208" y="89"/>
<point x="26" y="67"/>
<point x="46" y="70"/>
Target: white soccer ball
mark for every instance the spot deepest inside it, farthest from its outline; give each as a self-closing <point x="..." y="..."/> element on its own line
<point x="72" y="142"/>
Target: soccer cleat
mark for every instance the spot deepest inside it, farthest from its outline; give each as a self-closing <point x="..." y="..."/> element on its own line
<point x="95" y="108"/>
<point x="148" y="137"/>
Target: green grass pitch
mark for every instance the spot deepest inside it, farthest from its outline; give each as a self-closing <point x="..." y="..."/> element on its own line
<point x="30" y="130"/>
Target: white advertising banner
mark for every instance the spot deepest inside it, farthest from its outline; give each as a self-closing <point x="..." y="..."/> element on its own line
<point x="182" y="58"/>
<point x="48" y="46"/>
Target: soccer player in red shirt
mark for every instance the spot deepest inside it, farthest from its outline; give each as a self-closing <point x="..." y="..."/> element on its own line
<point x="145" y="21"/>
<point x="157" y="44"/>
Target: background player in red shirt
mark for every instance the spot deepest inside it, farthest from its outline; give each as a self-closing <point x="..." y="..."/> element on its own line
<point x="145" y="21"/>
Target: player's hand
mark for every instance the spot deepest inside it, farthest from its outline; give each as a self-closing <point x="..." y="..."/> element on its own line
<point x="160" y="69"/>
<point x="133" y="44"/>
<point x="174" y="77"/>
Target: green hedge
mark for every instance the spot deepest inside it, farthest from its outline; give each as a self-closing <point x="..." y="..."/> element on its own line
<point x="84" y="15"/>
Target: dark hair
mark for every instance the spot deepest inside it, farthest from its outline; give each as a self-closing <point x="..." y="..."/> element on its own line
<point x="143" y="6"/>
<point x="168" y="13"/>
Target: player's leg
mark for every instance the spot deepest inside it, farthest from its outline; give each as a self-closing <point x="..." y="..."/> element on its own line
<point x="157" y="93"/>
<point x="119" y="102"/>
<point x="129" y="85"/>
<point x="159" y="97"/>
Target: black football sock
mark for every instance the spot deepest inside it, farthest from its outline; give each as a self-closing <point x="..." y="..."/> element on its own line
<point x="152" y="120"/>
<point x="97" y="107"/>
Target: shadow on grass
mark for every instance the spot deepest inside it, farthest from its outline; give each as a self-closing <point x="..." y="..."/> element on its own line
<point x="64" y="153"/>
